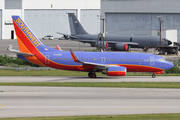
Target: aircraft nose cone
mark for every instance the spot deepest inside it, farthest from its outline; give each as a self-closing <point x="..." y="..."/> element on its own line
<point x="169" y="65"/>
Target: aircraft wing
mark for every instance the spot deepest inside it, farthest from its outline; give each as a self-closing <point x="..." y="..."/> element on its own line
<point x="73" y="37"/>
<point x="129" y="43"/>
<point x="20" y="53"/>
<point x="98" y="66"/>
<point x="87" y="41"/>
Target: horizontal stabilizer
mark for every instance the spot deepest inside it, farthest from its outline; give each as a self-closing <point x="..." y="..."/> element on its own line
<point x="20" y="53"/>
<point x="73" y="37"/>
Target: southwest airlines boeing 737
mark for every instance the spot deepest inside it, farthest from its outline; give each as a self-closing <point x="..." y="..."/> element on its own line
<point x="111" y="63"/>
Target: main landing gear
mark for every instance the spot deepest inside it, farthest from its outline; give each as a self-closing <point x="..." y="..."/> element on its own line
<point x="153" y="75"/>
<point x="92" y="74"/>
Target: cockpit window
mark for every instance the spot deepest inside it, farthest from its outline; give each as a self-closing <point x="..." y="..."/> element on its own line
<point x="162" y="60"/>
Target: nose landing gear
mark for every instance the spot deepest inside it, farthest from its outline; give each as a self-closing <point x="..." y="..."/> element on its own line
<point x="92" y="74"/>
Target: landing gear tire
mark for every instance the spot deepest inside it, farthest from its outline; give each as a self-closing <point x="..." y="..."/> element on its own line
<point x="153" y="75"/>
<point x="112" y="49"/>
<point x="92" y="75"/>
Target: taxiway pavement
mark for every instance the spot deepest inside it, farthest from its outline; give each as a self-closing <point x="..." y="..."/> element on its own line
<point x="28" y="101"/>
<point x="87" y="79"/>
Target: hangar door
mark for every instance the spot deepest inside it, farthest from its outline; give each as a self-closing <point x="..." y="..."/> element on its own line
<point x="140" y="23"/>
<point x="48" y="22"/>
<point x="90" y="20"/>
<point x="0" y="24"/>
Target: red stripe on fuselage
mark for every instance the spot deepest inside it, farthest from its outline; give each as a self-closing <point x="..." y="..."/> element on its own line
<point x="141" y="68"/>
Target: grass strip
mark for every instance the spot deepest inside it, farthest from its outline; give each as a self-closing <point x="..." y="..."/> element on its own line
<point x="168" y="116"/>
<point x="64" y="73"/>
<point x="98" y="84"/>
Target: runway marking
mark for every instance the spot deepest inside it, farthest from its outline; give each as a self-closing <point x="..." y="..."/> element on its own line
<point x="2" y="106"/>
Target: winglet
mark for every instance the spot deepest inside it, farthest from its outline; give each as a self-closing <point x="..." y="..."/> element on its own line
<point x="58" y="47"/>
<point x="75" y="58"/>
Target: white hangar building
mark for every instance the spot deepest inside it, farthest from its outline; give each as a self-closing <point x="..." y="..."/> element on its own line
<point x="46" y="17"/>
<point x="138" y="17"/>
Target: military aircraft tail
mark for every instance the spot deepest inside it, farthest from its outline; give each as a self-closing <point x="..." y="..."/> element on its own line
<point x="75" y="25"/>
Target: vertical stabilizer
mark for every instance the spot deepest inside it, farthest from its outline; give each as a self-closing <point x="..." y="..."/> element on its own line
<point x="28" y="43"/>
<point x="27" y="40"/>
<point x="75" y="25"/>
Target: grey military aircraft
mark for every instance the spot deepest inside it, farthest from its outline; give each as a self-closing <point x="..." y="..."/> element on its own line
<point x="116" y="42"/>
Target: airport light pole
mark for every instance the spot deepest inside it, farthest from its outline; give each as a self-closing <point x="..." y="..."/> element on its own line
<point x="159" y="17"/>
<point x="104" y="33"/>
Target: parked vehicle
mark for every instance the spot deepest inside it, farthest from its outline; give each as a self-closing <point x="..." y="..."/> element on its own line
<point x="48" y="37"/>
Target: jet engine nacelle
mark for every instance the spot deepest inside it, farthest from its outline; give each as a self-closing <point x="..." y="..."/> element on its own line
<point x="121" y="46"/>
<point x="116" y="71"/>
<point x="98" y="44"/>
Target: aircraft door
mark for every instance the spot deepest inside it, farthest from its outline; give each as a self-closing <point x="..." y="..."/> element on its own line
<point x="47" y="59"/>
<point x="152" y="61"/>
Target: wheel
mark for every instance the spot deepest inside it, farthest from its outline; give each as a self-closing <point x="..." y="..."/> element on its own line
<point x="92" y="75"/>
<point x="112" y="49"/>
<point x="153" y="75"/>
